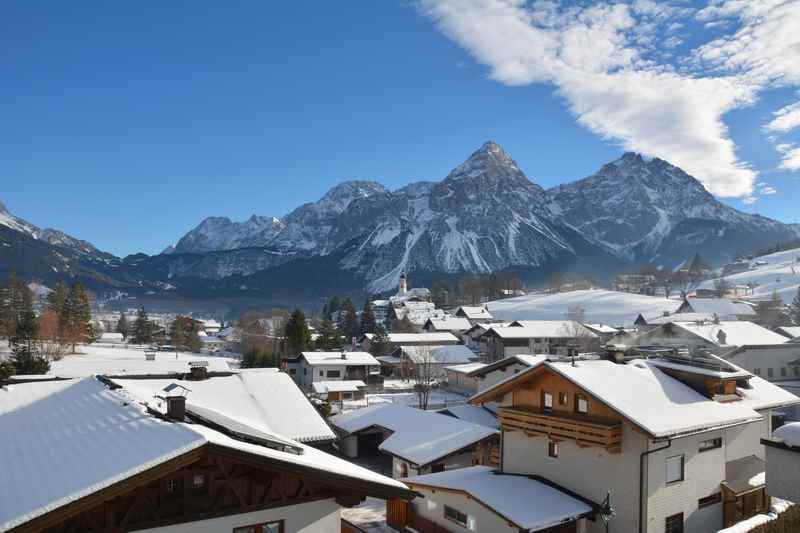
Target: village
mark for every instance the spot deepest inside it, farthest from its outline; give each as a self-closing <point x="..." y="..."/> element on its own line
<point x="576" y="410"/>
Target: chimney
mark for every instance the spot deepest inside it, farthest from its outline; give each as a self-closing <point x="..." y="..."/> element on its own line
<point x="176" y="408"/>
<point x="175" y="397"/>
<point x="198" y="370"/>
<point x="344" y="355"/>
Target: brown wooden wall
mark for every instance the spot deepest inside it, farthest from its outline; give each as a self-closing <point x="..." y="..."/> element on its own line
<point x="529" y="396"/>
<point x="229" y="488"/>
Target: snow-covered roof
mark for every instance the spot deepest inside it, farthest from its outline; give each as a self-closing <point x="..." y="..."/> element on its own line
<point x="473" y="413"/>
<point x="449" y="323"/>
<point x="250" y="396"/>
<point x="442" y="434"/>
<point x="679" y="317"/>
<point x="722" y="307"/>
<point x="760" y="394"/>
<point x="792" y="331"/>
<point x="529" y="329"/>
<point x="650" y="399"/>
<point x="465" y="368"/>
<point x="110" y="361"/>
<point x="602" y="328"/>
<point x="474" y="312"/>
<point x="111" y="337"/>
<point x="789" y="434"/>
<point x="525" y="501"/>
<point x="448" y="354"/>
<point x="608" y="307"/>
<point x="423" y="338"/>
<point x="323" y="387"/>
<point x="340" y="358"/>
<point x="735" y="332"/>
<point x="522" y="359"/>
<point x="86" y="453"/>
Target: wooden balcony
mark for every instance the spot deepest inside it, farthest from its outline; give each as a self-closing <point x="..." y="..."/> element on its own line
<point x="559" y="427"/>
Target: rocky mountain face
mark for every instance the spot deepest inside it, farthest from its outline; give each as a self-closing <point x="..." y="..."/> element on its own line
<point x="485" y="216"/>
<point x="651" y="211"/>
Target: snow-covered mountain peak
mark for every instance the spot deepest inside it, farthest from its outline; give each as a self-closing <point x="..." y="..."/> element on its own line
<point x="339" y="197"/>
<point x="488" y="161"/>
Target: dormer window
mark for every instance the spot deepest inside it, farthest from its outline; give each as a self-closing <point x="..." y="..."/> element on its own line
<point x="581" y="404"/>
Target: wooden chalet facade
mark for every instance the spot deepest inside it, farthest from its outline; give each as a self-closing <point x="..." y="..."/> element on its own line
<point x="206" y="483"/>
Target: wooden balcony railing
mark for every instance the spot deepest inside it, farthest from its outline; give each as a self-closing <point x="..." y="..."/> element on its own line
<point x="559" y="427"/>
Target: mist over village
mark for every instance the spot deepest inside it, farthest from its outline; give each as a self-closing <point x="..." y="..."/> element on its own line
<point x="438" y="266"/>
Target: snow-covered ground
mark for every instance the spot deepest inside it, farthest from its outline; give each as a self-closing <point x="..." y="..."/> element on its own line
<point x="599" y="305"/>
<point x="438" y="399"/>
<point x="778" y="506"/>
<point x="780" y="274"/>
<point x="370" y="516"/>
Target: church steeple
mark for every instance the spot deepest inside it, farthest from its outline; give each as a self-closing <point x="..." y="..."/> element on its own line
<point x="402" y="289"/>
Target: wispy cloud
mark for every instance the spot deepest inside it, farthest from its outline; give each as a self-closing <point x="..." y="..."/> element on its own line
<point x="786" y="118"/>
<point x="603" y="60"/>
<point x="790" y="159"/>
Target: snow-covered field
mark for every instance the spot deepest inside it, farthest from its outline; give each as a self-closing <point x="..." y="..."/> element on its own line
<point x="600" y="306"/>
<point x="780" y="274"/>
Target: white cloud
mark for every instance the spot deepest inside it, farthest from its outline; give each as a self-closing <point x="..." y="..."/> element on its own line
<point x="603" y="58"/>
<point x="593" y="57"/>
<point x="791" y="156"/>
<point x="749" y="200"/>
<point x="786" y="119"/>
<point x="767" y="190"/>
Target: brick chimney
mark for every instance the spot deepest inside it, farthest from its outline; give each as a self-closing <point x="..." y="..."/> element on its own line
<point x="174" y="396"/>
<point x="198" y="370"/>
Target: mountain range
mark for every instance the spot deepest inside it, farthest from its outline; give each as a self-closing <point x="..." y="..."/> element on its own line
<point x="484" y="216"/>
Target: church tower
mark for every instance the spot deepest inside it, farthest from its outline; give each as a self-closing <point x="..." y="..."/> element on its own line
<point x="403" y="287"/>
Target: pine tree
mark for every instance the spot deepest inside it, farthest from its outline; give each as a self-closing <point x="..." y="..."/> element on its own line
<point x="794" y="308"/>
<point x="348" y="320"/>
<point x="77" y="315"/>
<point x="297" y="336"/>
<point x="142" y="330"/>
<point x="367" y="318"/>
<point x="329" y="338"/>
<point x="57" y="303"/>
<point x="184" y="333"/>
<point x="24" y="357"/>
<point x="380" y="344"/>
<point x="123" y="326"/>
<point x="15" y="299"/>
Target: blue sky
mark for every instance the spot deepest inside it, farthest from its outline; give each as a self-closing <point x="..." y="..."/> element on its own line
<point x="127" y="124"/>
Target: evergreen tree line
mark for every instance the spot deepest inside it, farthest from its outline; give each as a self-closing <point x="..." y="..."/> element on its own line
<point x="475" y="290"/>
<point x="34" y="340"/>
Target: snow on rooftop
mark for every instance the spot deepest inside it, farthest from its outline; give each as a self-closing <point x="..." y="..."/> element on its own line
<point x="442" y="436"/>
<point x="529" y="329"/>
<point x="475" y="414"/>
<point x="722" y="307"/>
<point x="71" y="438"/>
<point x="109" y="361"/>
<point x="609" y="307"/>
<point x="450" y="323"/>
<point x="81" y="437"/>
<point x="265" y="399"/>
<point x="465" y="368"/>
<point x="475" y="312"/>
<point x="735" y="332"/>
<point x="340" y="358"/>
<point x="422" y="338"/>
<point x="789" y="434"/>
<point x="448" y="354"/>
<point x="791" y="331"/>
<point x="323" y="387"/>
<point x="528" y="503"/>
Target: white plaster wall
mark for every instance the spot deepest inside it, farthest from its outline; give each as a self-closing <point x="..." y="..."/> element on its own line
<point x="590" y="472"/>
<point x="703" y="473"/>
<point x="349" y="446"/>
<point x="783" y="473"/>
<point x="432" y="508"/>
<point x="776" y="357"/>
<point x="497" y="376"/>
<point x="314" y="517"/>
<point x="744" y="441"/>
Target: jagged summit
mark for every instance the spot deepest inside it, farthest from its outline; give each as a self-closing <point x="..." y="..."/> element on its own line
<point x="489" y="160"/>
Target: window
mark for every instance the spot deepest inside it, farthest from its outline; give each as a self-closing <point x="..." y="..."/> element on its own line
<point x="674" y="469"/>
<point x="455" y="515"/>
<point x="268" y="527"/>
<point x="783" y="371"/>
<point x="334" y="373"/>
<point x="402" y="470"/>
<point x="173" y="487"/>
<point x="199" y="481"/>
<point x="305" y="371"/>
<point x="552" y="449"/>
<point x="547" y="401"/>
<point x="321" y="373"/>
<point x="797" y="371"/>
<point x="581" y="404"/>
<point x="769" y="372"/>
<point x="757" y="371"/>
<point x="674" y="524"/>
<point x="562" y="398"/>
<point x="293" y="371"/>
<point x="709" y="500"/>
<point x="437" y="468"/>
<point x="710" y="444"/>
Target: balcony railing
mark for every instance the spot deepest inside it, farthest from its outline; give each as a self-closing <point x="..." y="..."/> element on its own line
<point x="559" y="427"/>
